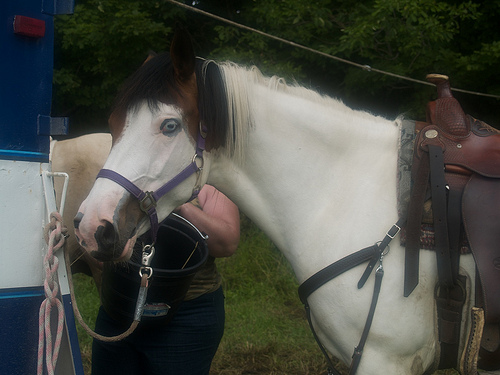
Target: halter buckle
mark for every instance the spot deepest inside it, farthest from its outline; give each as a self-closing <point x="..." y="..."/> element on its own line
<point x="148" y="202"/>
<point x="199" y="170"/>
<point x="393" y="231"/>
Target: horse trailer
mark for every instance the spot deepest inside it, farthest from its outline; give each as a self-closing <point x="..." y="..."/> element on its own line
<point x="27" y="196"/>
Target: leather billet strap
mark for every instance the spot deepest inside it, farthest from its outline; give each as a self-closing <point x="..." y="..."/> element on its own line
<point x="440" y="214"/>
<point x="148" y="199"/>
<point x="415" y="211"/>
<point x="430" y="169"/>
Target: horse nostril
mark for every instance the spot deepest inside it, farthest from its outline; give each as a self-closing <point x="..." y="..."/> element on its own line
<point x="78" y="218"/>
<point x="106" y="235"/>
<point x="106" y="239"/>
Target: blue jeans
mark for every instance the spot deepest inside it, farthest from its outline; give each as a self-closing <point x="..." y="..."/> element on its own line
<point x="185" y="346"/>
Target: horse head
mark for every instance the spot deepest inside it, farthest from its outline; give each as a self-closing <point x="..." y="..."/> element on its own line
<point x="156" y="161"/>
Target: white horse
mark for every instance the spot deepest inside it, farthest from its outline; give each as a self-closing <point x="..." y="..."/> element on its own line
<point x="318" y="178"/>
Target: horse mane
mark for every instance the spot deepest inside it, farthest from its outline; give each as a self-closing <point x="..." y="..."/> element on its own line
<point x="237" y="80"/>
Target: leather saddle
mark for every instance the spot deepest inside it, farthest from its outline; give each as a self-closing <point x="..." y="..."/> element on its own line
<point x="456" y="164"/>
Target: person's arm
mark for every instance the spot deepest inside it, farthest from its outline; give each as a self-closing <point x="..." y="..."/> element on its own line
<point x="219" y="219"/>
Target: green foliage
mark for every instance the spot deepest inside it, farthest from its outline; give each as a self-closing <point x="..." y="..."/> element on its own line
<point x="394" y="28"/>
<point x="106" y="40"/>
<point x="101" y="44"/>
<point x="265" y="319"/>
<point x="411" y="38"/>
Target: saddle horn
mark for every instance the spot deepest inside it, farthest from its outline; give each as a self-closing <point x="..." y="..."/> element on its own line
<point x="446" y="112"/>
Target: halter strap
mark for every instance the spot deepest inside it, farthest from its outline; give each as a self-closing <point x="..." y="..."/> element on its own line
<point x="149" y="199"/>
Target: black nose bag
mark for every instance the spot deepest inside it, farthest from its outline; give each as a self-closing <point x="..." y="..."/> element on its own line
<point x="180" y="250"/>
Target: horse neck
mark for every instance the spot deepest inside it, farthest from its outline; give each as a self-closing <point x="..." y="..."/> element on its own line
<point x="310" y="167"/>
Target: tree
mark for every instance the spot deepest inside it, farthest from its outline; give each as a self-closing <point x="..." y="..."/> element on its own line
<point x="106" y="40"/>
<point x="407" y="37"/>
<point x="98" y="46"/>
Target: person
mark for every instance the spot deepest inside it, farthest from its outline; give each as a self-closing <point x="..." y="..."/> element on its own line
<point x="187" y="344"/>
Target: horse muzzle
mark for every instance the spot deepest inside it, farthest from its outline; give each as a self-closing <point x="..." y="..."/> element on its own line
<point x="104" y="244"/>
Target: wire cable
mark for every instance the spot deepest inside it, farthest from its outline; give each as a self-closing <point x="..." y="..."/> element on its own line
<point x="312" y="50"/>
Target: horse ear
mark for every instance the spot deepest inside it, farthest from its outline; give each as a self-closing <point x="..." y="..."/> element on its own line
<point x="182" y="54"/>
<point x="151" y="54"/>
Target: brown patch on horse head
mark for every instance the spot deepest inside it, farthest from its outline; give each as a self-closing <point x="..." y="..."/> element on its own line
<point x="116" y="123"/>
<point x="182" y="55"/>
<point x="185" y="97"/>
<point x="188" y="102"/>
<point x="184" y="63"/>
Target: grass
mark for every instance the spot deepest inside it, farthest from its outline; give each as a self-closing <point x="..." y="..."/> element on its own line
<point x="88" y="302"/>
<point x="266" y="329"/>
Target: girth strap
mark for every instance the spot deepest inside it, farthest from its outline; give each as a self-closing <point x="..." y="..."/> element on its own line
<point x="450" y="293"/>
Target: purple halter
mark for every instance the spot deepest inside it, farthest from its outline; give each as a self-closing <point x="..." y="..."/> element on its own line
<point x="148" y="199"/>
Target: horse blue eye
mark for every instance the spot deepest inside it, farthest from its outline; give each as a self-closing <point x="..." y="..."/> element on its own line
<point x="168" y="126"/>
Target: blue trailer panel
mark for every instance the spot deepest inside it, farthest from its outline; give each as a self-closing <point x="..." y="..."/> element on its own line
<point x="26" y="189"/>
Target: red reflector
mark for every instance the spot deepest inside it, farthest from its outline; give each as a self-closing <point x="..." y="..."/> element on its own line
<point x="29" y="26"/>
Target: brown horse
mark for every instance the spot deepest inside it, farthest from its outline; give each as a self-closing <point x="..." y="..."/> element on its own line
<point x="81" y="158"/>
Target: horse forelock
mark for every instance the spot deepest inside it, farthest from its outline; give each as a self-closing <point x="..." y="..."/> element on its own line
<point x="153" y="82"/>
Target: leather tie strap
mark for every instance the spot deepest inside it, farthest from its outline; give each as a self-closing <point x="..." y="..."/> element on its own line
<point x="415" y="210"/>
<point x="439" y="211"/>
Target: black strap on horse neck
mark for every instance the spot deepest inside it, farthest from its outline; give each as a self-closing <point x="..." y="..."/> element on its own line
<point x="335" y="269"/>
<point x="373" y="254"/>
<point x="358" y="351"/>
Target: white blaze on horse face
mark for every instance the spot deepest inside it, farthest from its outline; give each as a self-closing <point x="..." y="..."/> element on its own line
<point x="154" y="146"/>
